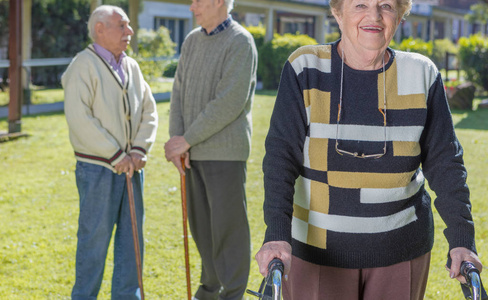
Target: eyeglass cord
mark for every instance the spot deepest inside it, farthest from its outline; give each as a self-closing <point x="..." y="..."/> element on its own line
<point x="340" y="96"/>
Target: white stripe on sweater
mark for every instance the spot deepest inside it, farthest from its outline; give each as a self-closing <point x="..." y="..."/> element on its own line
<point x="376" y="196"/>
<point x="311" y="61"/>
<point x="366" y="133"/>
<point x="352" y="224"/>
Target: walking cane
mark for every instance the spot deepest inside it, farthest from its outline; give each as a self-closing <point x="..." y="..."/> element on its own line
<point x="185" y="230"/>
<point x="135" y="234"/>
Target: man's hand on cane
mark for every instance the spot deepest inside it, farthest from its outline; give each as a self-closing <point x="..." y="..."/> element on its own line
<point x="139" y="161"/>
<point x="125" y="166"/>
<point x="175" y="148"/>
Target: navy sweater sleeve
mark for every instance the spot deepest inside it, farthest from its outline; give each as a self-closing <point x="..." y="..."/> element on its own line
<point x="443" y="166"/>
<point x="284" y="156"/>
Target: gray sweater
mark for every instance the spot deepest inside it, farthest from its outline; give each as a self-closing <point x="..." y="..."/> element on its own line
<point x="213" y="92"/>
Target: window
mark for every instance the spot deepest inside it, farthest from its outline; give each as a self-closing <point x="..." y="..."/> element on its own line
<point x="176" y="27"/>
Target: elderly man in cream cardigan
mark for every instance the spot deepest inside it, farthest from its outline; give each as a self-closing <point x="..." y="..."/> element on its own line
<point x="112" y="121"/>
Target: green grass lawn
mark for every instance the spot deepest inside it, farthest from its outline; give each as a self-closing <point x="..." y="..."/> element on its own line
<point x="39" y="210"/>
<point x="40" y="95"/>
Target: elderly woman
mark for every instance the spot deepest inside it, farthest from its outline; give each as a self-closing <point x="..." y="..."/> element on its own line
<point x="356" y="129"/>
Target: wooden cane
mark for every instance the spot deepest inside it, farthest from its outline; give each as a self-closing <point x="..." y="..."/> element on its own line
<point x="135" y="234"/>
<point x="185" y="230"/>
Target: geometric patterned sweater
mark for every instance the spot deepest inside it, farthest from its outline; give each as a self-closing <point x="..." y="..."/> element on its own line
<point x="349" y="212"/>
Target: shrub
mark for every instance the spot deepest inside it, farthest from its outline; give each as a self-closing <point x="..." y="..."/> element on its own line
<point x="414" y="45"/>
<point x="274" y="54"/>
<point x="154" y="49"/>
<point x="58" y="30"/>
<point x="393" y="44"/>
<point x="439" y="52"/>
<point x="332" y="37"/>
<point x="170" y="68"/>
<point x="461" y="96"/>
<point x="258" y="33"/>
<point x="473" y="56"/>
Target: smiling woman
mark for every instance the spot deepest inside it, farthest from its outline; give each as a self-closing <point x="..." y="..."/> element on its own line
<point x="356" y="130"/>
<point x="404" y="6"/>
<point x="367" y="28"/>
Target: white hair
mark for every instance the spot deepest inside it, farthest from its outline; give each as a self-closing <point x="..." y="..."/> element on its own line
<point x="229" y="4"/>
<point x="101" y="14"/>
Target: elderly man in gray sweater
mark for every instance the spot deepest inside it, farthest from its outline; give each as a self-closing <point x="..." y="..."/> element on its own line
<point x="210" y="127"/>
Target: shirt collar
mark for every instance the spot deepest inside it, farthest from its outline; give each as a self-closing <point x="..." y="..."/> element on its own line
<point x="108" y="56"/>
<point x="222" y="26"/>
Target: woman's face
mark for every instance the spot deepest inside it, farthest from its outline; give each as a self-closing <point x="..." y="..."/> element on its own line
<point x="368" y="24"/>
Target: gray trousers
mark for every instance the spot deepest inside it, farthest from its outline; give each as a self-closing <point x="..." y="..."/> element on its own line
<point x="217" y="215"/>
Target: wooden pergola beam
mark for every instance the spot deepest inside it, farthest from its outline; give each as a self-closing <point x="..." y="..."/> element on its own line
<point x="15" y="69"/>
<point x="134" y="22"/>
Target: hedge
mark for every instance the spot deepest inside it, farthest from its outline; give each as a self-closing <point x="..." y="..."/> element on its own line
<point x="274" y="54"/>
<point x="154" y="47"/>
<point x="473" y="56"/>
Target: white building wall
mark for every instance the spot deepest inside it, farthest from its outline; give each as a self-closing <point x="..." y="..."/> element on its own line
<point x="176" y="17"/>
<point x="154" y="9"/>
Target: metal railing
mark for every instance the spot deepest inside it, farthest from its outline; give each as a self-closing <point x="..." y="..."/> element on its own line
<point x="39" y="62"/>
<point x="27" y="64"/>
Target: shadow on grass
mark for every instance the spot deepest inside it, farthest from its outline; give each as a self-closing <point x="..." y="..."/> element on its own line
<point x="32" y="116"/>
<point x="477" y="120"/>
<point x="266" y="92"/>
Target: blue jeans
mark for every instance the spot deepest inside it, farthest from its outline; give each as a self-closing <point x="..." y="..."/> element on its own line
<point x="104" y="202"/>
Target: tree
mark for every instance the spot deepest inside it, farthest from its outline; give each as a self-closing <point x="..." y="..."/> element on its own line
<point x="480" y="12"/>
<point x="58" y="30"/>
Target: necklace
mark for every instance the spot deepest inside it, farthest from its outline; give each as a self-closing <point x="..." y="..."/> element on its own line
<point x="383" y="112"/>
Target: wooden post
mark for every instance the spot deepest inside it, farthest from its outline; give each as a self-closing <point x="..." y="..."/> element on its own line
<point x="320" y="29"/>
<point x="26" y="48"/>
<point x="134" y="22"/>
<point x="269" y="24"/>
<point x="15" y="69"/>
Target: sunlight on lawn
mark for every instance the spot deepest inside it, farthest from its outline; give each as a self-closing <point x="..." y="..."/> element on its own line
<point x="39" y="210"/>
<point x="41" y="95"/>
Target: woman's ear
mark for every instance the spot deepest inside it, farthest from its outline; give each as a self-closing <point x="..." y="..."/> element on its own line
<point x="338" y="16"/>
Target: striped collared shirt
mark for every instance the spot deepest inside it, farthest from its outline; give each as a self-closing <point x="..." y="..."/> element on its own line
<point x="223" y="26"/>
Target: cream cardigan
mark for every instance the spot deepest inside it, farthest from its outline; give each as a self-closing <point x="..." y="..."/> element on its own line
<point x="107" y="120"/>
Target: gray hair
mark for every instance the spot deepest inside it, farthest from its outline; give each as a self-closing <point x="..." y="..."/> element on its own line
<point x="101" y="14"/>
<point x="404" y="6"/>
<point x="229" y="4"/>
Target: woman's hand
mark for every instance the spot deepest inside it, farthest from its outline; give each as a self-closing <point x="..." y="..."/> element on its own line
<point x="270" y="250"/>
<point x="458" y="255"/>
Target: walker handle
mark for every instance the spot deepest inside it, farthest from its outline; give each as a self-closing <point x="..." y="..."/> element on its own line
<point x="276" y="268"/>
<point x="270" y="288"/>
<point x="473" y="289"/>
